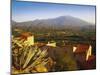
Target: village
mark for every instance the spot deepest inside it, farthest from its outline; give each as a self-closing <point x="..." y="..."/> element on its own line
<point x="44" y="40"/>
<point x="61" y="58"/>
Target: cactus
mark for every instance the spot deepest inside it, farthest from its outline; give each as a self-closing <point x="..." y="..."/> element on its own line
<point x="26" y="58"/>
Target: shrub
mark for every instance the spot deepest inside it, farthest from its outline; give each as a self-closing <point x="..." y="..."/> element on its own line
<point x="28" y="59"/>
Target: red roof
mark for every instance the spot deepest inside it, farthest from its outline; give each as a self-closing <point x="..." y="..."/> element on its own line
<point x="81" y="48"/>
<point x="26" y="34"/>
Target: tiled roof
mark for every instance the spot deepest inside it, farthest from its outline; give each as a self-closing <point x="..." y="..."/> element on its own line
<point x="81" y="48"/>
<point x="26" y="34"/>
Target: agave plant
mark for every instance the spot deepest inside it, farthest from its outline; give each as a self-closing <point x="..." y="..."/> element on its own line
<point x="28" y="59"/>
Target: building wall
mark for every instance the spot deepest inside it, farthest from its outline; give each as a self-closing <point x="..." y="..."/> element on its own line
<point x="81" y="57"/>
<point x="30" y="41"/>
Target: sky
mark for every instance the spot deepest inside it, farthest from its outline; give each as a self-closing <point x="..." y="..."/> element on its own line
<point x="29" y="11"/>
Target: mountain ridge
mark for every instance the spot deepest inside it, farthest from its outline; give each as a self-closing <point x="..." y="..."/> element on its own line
<point x="62" y="22"/>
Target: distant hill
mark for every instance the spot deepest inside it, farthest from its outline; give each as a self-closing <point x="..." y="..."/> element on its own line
<point x="62" y="22"/>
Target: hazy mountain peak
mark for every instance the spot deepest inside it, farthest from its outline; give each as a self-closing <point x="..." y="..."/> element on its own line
<point x="58" y="22"/>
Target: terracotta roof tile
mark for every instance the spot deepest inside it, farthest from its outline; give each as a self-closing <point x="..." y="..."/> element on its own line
<point x="81" y="48"/>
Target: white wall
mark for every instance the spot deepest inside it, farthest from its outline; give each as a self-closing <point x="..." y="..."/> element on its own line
<point x="5" y="37"/>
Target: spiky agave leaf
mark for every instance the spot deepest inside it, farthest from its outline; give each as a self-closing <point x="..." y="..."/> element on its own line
<point x="39" y="59"/>
<point x="27" y="57"/>
<point x="30" y="55"/>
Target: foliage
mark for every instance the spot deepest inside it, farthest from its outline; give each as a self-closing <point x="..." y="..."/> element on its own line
<point x="27" y="59"/>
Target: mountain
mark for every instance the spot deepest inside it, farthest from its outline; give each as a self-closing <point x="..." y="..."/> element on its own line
<point x="62" y="22"/>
